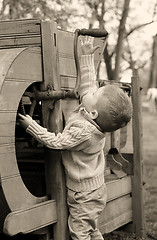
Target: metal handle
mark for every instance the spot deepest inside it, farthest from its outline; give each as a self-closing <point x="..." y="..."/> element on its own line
<point x="78" y="70"/>
<point x="96" y="32"/>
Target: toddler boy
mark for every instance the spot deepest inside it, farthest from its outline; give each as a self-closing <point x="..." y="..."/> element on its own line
<point x="82" y="142"/>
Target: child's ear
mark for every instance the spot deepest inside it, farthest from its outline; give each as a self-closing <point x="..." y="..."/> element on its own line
<point x="93" y="114"/>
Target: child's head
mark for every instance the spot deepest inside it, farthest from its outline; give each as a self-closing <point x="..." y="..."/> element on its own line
<point x="109" y="106"/>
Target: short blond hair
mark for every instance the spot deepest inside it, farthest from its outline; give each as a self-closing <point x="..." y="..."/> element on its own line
<point x="117" y="104"/>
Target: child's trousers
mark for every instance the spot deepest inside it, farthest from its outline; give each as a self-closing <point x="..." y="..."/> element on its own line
<point x="84" y="211"/>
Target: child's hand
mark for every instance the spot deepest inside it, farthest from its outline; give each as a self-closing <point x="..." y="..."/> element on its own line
<point x="24" y="121"/>
<point x="87" y="45"/>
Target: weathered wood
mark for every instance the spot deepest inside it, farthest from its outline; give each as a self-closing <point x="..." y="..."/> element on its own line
<point x="6" y="122"/>
<point x="53" y="121"/>
<point x="19" y="69"/>
<point x="119" y="164"/>
<point x="67" y="66"/>
<point x="28" y="65"/>
<point x="137" y="183"/>
<point x="54" y="64"/>
<point x="119" y="173"/>
<point x="112" y="163"/>
<point x="123" y="136"/>
<point x="6" y="59"/>
<point x="19" y="33"/>
<point x="16" y="197"/>
<point x="19" y="42"/>
<point x="16" y="27"/>
<point x="117" y="188"/>
<point x="31" y="219"/>
<point x="116" y="214"/>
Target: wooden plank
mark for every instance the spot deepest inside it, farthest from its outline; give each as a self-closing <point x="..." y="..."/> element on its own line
<point x="25" y="69"/>
<point x="66" y="54"/>
<point x="119" y="187"/>
<point x="6" y="122"/>
<point x="53" y="121"/>
<point x="22" y="26"/>
<point x="9" y="92"/>
<point x="19" y="33"/>
<point x="27" y="66"/>
<point x="137" y="183"/>
<point x="7" y="156"/>
<point x="116" y="213"/>
<point x="6" y="59"/>
<point x="19" y="68"/>
<point x="16" y="194"/>
<point x="68" y="82"/>
<point x="31" y="218"/>
<point x="117" y="222"/>
<point x="20" y="42"/>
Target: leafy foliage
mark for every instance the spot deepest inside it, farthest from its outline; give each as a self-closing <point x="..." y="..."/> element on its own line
<point x="123" y="51"/>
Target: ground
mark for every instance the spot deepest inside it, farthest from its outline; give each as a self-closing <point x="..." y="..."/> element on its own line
<point x="150" y="177"/>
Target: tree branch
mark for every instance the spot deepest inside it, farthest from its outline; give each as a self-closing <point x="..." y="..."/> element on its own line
<point x="138" y="27"/>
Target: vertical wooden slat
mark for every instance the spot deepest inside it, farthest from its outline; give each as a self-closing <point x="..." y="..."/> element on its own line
<point x="137" y="183"/>
<point x="53" y="121"/>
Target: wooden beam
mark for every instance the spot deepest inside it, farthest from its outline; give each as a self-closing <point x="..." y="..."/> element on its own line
<point x="52" y="119"/>
<point x="31" y="218"/>
<point x="117" y="188"/>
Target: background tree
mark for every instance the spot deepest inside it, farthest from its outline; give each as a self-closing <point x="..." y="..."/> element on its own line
<point x="125" y="26"/>
<point x="18" y="9"/>
<point x="128" y="45"/>
<point x="153" y="66"/>
<point x="58" y="10"/>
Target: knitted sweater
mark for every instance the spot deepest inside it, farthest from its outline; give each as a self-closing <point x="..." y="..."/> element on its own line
<point x="88" y="76"/>
<point x="81" y="141"/>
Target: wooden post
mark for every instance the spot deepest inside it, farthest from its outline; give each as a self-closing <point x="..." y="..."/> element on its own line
<point x="137" y="180"/>
<point x="52" y="115"/>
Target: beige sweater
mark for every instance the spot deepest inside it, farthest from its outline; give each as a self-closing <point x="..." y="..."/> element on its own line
<point x="81" y="141"/>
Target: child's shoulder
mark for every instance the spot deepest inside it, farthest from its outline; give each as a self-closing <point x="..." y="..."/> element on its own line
<point x="78" y="121"/>
<point x="81" y="123"/>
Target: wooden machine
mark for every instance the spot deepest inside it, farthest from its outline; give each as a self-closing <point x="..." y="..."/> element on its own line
<point x="38" y="76"/>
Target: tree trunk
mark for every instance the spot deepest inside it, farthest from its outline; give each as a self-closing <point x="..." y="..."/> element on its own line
<point x="153" y="67"/>
<point x="120" y="38"/>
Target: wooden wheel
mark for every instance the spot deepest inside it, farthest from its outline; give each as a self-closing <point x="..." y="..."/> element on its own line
<point x="21" y="67"/>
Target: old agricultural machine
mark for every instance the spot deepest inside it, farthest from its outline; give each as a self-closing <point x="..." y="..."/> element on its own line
<point x="39" y="75"/>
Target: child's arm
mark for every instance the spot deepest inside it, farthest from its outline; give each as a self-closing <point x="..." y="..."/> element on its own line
<point x="88" y="75"/>
<point x="72" y="137"/>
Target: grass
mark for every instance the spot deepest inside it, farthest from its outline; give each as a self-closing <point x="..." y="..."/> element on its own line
<point x="150" y="172"/>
